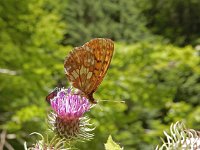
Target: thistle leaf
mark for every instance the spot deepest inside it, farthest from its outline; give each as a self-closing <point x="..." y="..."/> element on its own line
<point x="111" y="145"/>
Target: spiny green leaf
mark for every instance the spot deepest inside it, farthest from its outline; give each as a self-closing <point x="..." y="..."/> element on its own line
<point x="111" y="145"/>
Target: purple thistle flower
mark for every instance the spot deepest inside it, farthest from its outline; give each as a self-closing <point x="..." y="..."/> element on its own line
<point x="67" y="119"/>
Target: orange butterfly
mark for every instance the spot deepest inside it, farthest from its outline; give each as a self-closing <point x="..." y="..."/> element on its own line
<point x="86" y="66"/>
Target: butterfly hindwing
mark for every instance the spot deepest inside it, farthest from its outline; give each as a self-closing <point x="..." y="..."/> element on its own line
<point x="78" y="66"/>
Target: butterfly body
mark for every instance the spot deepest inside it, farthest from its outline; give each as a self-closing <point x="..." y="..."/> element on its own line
<point x="89" y="96"/>
<point x="86" y="66"/>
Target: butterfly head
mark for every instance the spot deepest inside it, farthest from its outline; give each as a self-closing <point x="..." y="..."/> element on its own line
<point x="91" y="99"/>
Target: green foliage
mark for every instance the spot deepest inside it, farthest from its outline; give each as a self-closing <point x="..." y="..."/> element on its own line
<point x="177" y="20"/>
<point x="158" y="82"/>
<point x="130" y="21"/>
<point x="111" y="145"/>
<point x="116" y="19"/>
<point x="30" y="56"/>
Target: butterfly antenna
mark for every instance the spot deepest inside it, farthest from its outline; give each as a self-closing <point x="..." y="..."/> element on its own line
<point x="100" y="107"/>
<point x="115" y="101"/>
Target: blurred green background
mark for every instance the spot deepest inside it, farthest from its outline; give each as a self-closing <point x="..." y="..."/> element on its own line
<point x="155" y="68"/>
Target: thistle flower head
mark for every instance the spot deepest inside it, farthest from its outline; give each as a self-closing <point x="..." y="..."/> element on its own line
<point x="46" y="143"/>
<point x="67" y="118"/>
<point x="69" y="106"/>
<point x="181" y="138"/>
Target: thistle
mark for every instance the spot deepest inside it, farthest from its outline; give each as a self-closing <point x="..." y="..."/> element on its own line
<point x="181" y="138"/>
<point x="46" y="143"/>
<point x="67" y="118"/>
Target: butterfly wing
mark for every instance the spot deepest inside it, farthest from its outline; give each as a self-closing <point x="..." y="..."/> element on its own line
<point x="78" y="66"/>
<point x="102" y="50"/>
<point x="86" y="66"/>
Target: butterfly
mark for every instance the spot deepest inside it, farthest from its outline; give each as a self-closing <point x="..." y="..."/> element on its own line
<point x="86" y="66"/>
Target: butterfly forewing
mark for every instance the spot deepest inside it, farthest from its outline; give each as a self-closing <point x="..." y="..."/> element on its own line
<point x="86" y="66"/>
<point x="102" y="49"/>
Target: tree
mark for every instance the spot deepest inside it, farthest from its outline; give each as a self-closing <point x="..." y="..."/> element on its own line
<point x="177" y="21"/>
<point x="30" y="64"/>
<point x="119" y="20"/>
